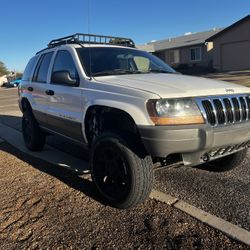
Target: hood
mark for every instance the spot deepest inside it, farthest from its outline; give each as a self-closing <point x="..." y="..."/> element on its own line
<point x="174" y="85"/>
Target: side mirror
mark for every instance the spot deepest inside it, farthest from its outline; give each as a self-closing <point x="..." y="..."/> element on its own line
<point x="64" y="78"/>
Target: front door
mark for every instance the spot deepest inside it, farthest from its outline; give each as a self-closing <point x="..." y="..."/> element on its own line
<point x="65" y="101"/>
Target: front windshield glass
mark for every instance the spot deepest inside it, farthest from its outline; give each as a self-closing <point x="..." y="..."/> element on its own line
<point x="103" y="61"/>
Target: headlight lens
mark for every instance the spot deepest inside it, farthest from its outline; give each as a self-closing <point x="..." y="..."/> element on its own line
<point x="174" y="112"/>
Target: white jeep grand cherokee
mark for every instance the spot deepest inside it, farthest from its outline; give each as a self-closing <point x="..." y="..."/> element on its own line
<point x="132" y="110"/>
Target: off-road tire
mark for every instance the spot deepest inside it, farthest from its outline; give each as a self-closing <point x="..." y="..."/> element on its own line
<point x="228" y="162"/>
<point x="33" y="136"/>
<point x="135" y="167"/>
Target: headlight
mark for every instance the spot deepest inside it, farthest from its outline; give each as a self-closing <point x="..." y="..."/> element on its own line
<point x="174" y="112"/>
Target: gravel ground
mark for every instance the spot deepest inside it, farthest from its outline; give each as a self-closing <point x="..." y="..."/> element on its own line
<point x="224" y="194"/>
<point x="46" y="207"/>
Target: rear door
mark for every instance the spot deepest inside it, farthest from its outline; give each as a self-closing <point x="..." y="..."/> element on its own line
<point x="65" y="102"/>
<point x="39" y="86"/>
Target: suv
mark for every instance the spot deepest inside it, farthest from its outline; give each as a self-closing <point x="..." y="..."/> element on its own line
<point x="132" y="110"/>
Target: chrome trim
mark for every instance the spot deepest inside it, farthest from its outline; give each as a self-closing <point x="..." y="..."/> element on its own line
<point x="221" y="98"/>
<point x="233" y="111"/>
<point x="240" y="108"/>
<point x="247" y="110"/>
<point x="214" y="111"/>
<point x="224" y="110"/>
<point x="200" y="106"/>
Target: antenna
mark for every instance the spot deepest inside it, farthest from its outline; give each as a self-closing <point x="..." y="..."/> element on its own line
<point x="90" y="71"/>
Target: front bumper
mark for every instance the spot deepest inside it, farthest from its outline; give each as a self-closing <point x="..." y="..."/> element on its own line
<point x="192" y="141"/>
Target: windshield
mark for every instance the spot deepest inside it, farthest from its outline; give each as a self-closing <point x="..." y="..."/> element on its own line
<point x="114" y="61"/>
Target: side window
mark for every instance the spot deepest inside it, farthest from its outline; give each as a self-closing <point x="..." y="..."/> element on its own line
<point x="195" y="54"/>
<point x="27" y="75"/>
<point x="64" y="62"/>
<point x="42" y="68"/>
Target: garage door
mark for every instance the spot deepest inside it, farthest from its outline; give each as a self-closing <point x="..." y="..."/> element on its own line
<point x="235" y="56"/>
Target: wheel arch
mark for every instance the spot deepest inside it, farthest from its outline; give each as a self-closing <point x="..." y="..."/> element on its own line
<point x="25" y="105"/>
<point x="121" y="118"/>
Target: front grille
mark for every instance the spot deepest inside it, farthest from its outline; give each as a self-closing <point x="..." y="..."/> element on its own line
<point x="226" y="109"/>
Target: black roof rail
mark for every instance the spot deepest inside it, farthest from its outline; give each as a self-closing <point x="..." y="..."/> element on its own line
<point x="80" y="38"/>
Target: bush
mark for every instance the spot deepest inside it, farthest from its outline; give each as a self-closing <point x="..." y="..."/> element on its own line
<point x="3" y="69"/>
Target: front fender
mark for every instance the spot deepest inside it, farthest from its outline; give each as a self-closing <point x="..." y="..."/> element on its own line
<point x="136" y="111"/>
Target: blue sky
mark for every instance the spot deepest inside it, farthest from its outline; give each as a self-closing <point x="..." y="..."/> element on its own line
<point x="28" y="25"/>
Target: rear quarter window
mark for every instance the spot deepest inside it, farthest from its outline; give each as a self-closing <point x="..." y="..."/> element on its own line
<point x="27" y="75"/>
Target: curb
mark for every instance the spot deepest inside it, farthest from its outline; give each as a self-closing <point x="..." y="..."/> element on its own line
<point x="231" y="230"/>
<point x="162" y="197"/>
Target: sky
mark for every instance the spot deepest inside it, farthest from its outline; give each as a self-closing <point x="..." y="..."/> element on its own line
<point x="27" y="26"/>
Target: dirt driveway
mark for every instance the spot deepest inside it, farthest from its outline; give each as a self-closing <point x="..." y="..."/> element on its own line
<point x="46" y="207"/>
<point x="239" y="77"/>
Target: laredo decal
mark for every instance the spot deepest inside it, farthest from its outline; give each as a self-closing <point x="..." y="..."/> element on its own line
<point x="229" y="90"/>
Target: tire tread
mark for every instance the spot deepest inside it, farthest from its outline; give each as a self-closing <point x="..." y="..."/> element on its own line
<point x="38" y="137"/>
<point x="142" y="168"/>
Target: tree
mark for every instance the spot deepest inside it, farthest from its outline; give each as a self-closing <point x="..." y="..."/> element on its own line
<point x="3" y="69"/>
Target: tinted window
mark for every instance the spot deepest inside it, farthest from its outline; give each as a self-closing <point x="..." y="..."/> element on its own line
<point x="112" y="61"/>
<point x="64" y="62"/>
<point x="27" y="75"/>
<point x="41" y="71"/>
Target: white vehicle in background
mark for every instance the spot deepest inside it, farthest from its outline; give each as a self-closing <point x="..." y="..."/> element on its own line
<point x="3" y="80"/>
<point x="132" y="110"/>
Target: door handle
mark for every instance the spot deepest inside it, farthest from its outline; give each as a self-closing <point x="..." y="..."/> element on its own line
<point x="49" y="92"/>
<point x="30" y="89"/>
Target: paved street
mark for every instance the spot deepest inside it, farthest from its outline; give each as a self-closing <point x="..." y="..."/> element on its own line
<point x="226" y="195"/>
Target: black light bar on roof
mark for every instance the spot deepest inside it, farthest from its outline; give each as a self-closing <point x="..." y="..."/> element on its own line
<point x="80" y="38"/>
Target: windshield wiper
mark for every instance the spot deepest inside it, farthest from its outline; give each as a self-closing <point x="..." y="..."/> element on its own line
<point x="103" y="73"/>
<point x="125" y="72"/>
<point x="116" y="72"/>
<point x="159" y="71"/>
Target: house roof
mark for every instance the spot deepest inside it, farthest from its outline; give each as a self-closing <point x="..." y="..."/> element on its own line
<point x="228" y="28"/>
<point x="181" y="41"/>
<point x="147" y="47"/>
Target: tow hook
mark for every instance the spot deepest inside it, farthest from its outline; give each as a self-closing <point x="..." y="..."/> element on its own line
<point x="206" y="157"/>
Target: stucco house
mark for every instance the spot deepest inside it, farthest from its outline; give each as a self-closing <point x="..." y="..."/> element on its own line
<point x="190" y="50"/>
<point x="232" y="46"/>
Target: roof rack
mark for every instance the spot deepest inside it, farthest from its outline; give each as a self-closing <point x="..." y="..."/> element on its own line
<point x="80" y="38"/>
